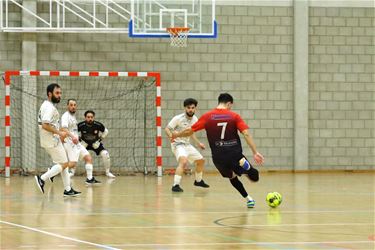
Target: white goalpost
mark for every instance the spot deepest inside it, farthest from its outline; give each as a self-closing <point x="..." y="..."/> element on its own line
<point x="127" y="103"/>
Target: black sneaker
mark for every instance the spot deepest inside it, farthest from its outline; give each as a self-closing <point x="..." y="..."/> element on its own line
<point x="76" y="192"/>
<point x="201" y="184"/>
<point x="92" y="181"/>
<point x="50" y="179"/>
<point x="71" y="193"/>
<point x="40" y="183"/>
<point x="177" y="188"/>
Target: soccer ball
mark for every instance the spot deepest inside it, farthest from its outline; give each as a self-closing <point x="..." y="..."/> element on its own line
<point x="274" y="199"/>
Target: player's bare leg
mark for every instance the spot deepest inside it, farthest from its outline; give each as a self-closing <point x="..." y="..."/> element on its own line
<point x="182" y="164"/>
<point x="199" y="166"/>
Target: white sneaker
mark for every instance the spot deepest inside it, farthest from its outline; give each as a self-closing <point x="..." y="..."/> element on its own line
<point x="110" y="175"/>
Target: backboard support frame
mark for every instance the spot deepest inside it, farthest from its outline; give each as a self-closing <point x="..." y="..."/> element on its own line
<point x="142" y="26"/>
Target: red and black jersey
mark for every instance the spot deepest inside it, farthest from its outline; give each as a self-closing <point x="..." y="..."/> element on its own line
<point x="222" y="128"/>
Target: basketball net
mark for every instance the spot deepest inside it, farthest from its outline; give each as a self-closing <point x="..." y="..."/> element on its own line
<point x="178" y="36"/>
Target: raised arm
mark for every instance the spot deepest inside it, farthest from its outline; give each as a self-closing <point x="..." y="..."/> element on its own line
<point x="258" y="158"/>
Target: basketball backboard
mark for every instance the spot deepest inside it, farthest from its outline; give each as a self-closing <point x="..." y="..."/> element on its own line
<point x="151" y="18"/>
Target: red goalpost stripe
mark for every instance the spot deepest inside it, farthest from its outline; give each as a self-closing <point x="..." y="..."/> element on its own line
<point x="8" y="75"/>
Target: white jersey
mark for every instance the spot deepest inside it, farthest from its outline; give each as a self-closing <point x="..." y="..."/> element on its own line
<point x="69" y="122"/>
<point x="180" y="123"/>
<point x="48" y="114"/>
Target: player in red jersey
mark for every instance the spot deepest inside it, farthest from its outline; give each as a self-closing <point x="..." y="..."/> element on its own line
<point x="222" y="126"/>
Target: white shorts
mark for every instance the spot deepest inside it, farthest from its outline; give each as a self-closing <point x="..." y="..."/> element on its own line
<point x="188" y="151"/>
<point x="75" y="151"/>
<point x="57" y="154"/>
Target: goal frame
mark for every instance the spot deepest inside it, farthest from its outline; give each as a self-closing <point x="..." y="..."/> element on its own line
<point x="8" y="77"/>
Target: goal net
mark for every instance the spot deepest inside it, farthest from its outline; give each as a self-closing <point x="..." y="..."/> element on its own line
<point x="123" y="102"/>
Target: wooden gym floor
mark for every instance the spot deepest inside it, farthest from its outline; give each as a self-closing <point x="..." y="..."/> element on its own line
<point x="319" y="211"/>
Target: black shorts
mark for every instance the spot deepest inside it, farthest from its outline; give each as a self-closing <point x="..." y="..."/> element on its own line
<point x="98" y="150"/>
<point x="229" y="164"/>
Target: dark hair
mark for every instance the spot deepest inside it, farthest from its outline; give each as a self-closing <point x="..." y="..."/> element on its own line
<point x="190" y="101"/>
<point x="89" y="111"/>
<point x="71" y="99"/>
<point x="225" y="98"/>
<point x="52" y="87"/>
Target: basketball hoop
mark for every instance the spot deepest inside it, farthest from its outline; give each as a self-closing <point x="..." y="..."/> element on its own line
<point x="178" y="36"/>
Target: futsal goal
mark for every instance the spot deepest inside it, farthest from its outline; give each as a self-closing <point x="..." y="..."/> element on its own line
<point x="127" y="103"/>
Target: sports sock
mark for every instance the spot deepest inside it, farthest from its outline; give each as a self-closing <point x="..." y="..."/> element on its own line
<point x="198" y="176"/>
<point x="54" y="170"/>
<point x="89" y="169"/>
<point x="238" y="185"/>
<point x="177" y="179"/>
<point x="66" y="179"/>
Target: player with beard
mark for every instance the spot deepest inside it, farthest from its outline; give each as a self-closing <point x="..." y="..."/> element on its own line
<point x="91" y="135"/>
<point x="51" y="138"/>
<point x="73" y="147"/>
<point x="182" y="148"/>
<point x="222" y="126"/>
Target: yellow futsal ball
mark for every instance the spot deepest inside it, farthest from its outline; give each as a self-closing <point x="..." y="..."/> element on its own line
<point x="274" y="199"/>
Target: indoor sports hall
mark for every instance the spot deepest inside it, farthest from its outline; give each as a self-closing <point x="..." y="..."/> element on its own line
<point x="127" y="101"/>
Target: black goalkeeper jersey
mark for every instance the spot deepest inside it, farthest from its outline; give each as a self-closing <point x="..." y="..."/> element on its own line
<point x="90" y="133"/>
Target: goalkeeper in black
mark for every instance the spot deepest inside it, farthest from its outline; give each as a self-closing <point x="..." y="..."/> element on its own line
<point x="91" y="135"/>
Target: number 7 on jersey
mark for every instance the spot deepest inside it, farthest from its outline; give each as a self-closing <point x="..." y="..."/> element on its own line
<point x="224" y="126"/>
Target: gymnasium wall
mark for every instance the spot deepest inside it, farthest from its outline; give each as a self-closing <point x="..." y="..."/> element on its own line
<point x="252" y="59"/>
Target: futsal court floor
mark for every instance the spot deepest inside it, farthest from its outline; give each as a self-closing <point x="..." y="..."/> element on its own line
<point x="319" y="211"/>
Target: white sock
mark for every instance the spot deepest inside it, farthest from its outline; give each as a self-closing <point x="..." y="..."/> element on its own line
<point x="177" y="179"/>
<point x="55" y="170"/>
<point x="66" y="179"/>
<point x="106" y="160"/>
<point x="198" y="176"/>
<point x="89" y="169"/>
<point x="248" y="198"/>
<point x="73" y="170"/>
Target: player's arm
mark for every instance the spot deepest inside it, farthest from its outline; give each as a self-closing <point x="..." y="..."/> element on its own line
<point x="243" y="128"/>
<point x="184" y="133"/>
<point x="103" y="131"/>
<point x="104" y="134"/>
<point x="195" y="139"/>
<point x="199" y="125"/>
<point x="170" y="127"/>
<point x="48" y="127"/>
<point x="65" y="126"/>
<point x="80" y="129"/>
<point x="74" y="138"/>
<point x="259" y="159"/>
<point x="168" y="132"/>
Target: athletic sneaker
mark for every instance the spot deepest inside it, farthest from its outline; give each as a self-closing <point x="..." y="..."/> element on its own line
<point x="201" y="184"/>
<point x="71" y="193"/>
<point x="40" y="183"/>
<point x="76" y="192"/>
<point x="50" y="179"/>
<point x="177" y="189"/>
<point x="251" y="203"/>
<point x="92" y="181"/>
<point x="110" y="175"/>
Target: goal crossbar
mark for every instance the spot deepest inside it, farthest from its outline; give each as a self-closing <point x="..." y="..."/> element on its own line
<point x="8" y="80"/>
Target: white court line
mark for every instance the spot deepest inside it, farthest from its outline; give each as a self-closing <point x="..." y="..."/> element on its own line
<point x="59" y="236"/>
<point x="212" y="226"/>
<point x="261" y="243"/>
<point x="196" y="212"/>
